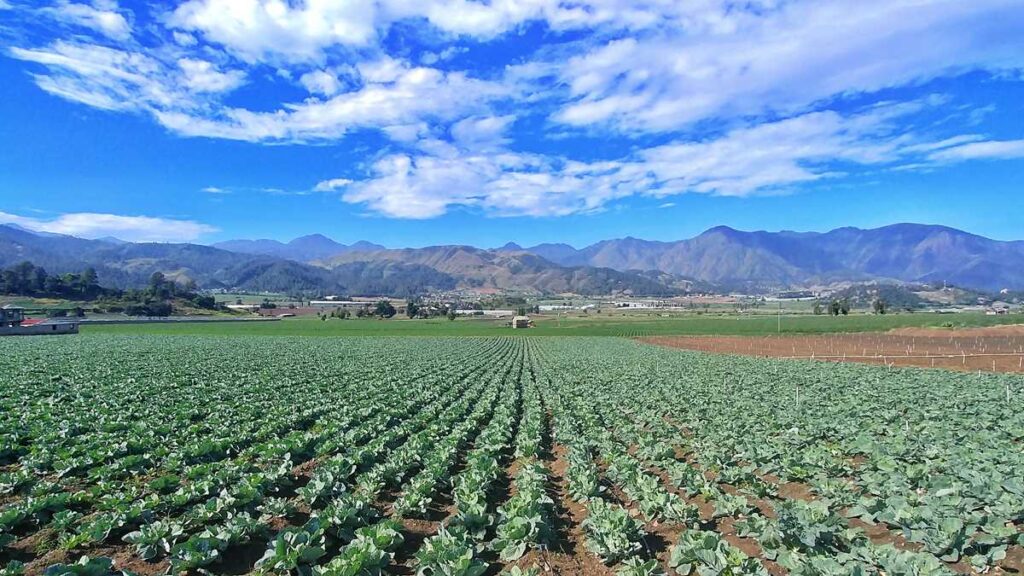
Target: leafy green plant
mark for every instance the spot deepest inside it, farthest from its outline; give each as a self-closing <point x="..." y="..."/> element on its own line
<point x="385" y="535"/>
<point x="449" y="553"/>
<point x="636" y="566"/>
<point x="344" y="515"/>
<point x="294" y="549"/>
<point x="277" y="507"/>
<point x="525" y="517"/>
<point x="85" y="566"/>
<point x="611" y="533"/>
<point x="154" y="539"/>
<point x="196" y="552"/>
<point x="706" y="554"/>
<point x="360" y="558"/>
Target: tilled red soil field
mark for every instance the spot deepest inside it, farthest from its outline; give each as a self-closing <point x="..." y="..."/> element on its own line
<point x="987" y="349"/>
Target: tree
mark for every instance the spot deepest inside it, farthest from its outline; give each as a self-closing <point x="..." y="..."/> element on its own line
<point x="451" y="314"/>
<point x="412" y="309"/>
<point x="385" y="309"/>
<point x="844" y="306"/>
<point x="159" y="287"/>
<point x="90" y="282"/>
<point x="879" y="306"/>
<point x="25" y="273"/>
<point x="834" y="307"/>
<point x="39" y="280"/>
<point x="818" y="310"/>
<point x="53" y="285"/>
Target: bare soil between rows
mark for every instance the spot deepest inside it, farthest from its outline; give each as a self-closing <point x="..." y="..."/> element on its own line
<point x="986" y="349"/>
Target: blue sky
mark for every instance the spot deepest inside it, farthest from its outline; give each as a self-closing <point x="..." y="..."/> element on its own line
<point x="422" y="122"/>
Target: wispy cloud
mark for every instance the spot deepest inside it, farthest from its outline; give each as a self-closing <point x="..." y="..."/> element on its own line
<point x="103" y="16"/>
<point x="785" y="58"/>
<point x="987" y="150"/>
<point x="115" y="79"/>
<point x="744" y="98"/>
<point x="332" y="185"/>
<point x="130" y="228"/>
<point x="321" y="82"/>
<point x="202" y="76"/>
<point x="215" y="190"/>
<point x="768" y="158"/>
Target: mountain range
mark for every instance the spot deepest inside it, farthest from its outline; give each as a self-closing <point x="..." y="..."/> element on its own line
<point x="903" y="252"/>
<point x="305" y="248"/>
<point x="721" y="258"/>
<point x="126" y="265"/>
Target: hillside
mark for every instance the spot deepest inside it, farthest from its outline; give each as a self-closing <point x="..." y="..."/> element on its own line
<point x="905" y="252"/>
<point x="372" y="272"/>
<point x="130" y="265"/>
<point x="303" y="249"/>
<point x="721" y="258"/>
<point x="509" y="270"/>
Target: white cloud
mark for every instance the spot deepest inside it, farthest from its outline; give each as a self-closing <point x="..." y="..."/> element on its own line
<point x="203" y="76"/>
<point x="184" y="39"/>
<point x="129" y="228"/>
<point x="99" y="76"/>
<point x="671" y="65"/>
<point x="114" y="79"/>
<point x="103" y="16"/>
<point x="320" y="82"/>
<point x="431" y="58"/>
<point x="392" y="95"/>
<point x="768" y="77"/>
<point x="215" y="190"/>
<point x="483" y="132"/>
<point x="947" y="143"/>
<point x="987" y="150"/>
<point x="404" y="187"/>
<point x="763" y="159"/>
<point x="265" y="29"/>
<point x="331" y="185"/>
<point x="785" y="58"/>
<point x="277" y="30"/>
<point x="5" y="6"/>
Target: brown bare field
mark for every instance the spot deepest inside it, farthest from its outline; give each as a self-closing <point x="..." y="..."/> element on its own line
<point x="998" y="349"/>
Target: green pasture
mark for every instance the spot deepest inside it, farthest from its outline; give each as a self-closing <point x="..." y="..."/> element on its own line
<point x="594" y="325"/>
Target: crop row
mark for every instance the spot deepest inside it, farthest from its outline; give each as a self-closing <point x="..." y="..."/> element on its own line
<point x="462" y="456"/>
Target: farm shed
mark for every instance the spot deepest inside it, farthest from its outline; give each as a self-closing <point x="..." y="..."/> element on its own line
<point x="14" y="323"/>
<point x="521" y="322"/>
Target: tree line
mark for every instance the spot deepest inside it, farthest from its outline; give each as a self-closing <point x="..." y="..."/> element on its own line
<point x="156" y="299"/>
<point x="27" y="279"/>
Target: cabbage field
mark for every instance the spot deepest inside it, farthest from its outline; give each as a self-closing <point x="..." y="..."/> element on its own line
<point x="516" y="455"/>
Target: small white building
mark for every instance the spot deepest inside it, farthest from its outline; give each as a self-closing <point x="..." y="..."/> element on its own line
<point x="521" y="322"/>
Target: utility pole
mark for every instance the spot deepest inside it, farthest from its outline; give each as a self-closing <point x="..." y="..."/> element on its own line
<point x="780" y="316"/>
